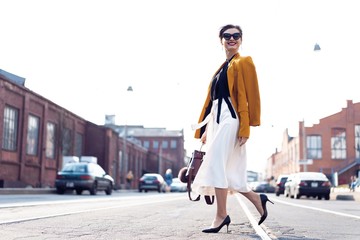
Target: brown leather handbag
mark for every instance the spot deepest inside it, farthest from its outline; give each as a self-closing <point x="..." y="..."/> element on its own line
<point x="188" y="174"/>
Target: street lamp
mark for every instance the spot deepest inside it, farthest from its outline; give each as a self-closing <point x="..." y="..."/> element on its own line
<point x="305" y="158"/>
<point x="125" y="157"/>
<point x="317" y="47"/>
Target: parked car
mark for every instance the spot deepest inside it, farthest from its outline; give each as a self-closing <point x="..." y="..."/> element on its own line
<point x="280" y="184"/>
<point x="309" y="184"/>
<point x="178" y="186"/>
<point x="263" y="187"/>
<point x="152" y="182"/>
<point x="83" y="176"/>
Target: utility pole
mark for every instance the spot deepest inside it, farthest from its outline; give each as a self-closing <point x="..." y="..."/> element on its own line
<point x="125" y="155"/>
<point x="160" y="159"/>
<point x="304" y="146"/>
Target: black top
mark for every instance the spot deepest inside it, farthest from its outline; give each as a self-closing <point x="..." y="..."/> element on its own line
<point x="220" y="90"/>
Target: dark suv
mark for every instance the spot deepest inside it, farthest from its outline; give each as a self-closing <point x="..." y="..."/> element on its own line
<point x="83" y="176"/>
<point x="280" y="184"/>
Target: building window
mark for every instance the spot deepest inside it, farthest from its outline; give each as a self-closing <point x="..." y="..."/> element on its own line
<point x="357" y="141"/>
<point x="173" y="144"/>
<point x="10" y="128"/>
<point x="338" y="143"/>
<point x="146" y="144"/>
<point x="32" y="139"/>
<point x="313" y="146"/>
<point x="50" y="140"/>
<point x="164" y="144"/>
<point x="78" y="144"/>
<point x="66" y="142"/>
<point x="155" y="144"/>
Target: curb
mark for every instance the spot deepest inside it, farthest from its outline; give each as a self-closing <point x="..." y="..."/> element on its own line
<point x="27" y="191"/>
<point x="345" y="197"/>
<point x="4" y="191"/>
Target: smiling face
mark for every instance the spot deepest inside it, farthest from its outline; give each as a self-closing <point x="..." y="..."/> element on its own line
<point x="231" y="40"/>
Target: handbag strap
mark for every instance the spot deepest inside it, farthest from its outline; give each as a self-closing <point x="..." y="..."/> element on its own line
<point x="209" y="200"/>
<point x="189" y="185"/>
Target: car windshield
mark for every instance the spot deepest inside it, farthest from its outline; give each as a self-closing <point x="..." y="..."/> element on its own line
<point x="74" y="168"/>
<point x="150" y="177"/>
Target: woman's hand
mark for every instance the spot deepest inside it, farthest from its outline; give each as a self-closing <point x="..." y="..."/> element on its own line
<point x="203" y="138"/>
<point x="242" y="140"/>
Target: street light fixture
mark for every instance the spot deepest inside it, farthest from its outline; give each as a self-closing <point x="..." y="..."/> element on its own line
<point x="317" y="47"/>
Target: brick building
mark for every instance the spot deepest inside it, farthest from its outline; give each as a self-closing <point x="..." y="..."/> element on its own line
<point x="332" y="146"/>
<point x="36" y="133"/>
<point x="165" y="147"/>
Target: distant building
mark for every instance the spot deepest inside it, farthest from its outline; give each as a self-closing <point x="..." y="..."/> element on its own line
<point x="35" y="135"/>
<point x="165" y="147"/>
<point x="331" y="147"/>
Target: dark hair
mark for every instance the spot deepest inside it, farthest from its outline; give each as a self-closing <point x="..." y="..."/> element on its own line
<point x="228" y="26"/>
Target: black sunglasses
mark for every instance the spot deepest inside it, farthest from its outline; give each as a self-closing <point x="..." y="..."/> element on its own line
<point x="227" y="36"/>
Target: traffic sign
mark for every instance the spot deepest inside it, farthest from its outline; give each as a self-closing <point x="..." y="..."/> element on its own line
<point x="305" y="161"/>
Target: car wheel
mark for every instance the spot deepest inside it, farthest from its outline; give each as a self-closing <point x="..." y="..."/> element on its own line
<point x="327" y="197"/>
<point x="78" y="191"/>
<point x="145" y="190"/>
<point x="140" y="190"/>
<point x="319" y="197"/>
<point x="60" y="190"/>
<point x="93" y="190"/>
<point x="277" y="194"/>
<point x="108" y="191"/>
<point x="297" y="196"/>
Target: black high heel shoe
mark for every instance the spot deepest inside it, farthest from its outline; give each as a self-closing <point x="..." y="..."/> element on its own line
<point x="264" y="199"/>
<point x="217" y="229"/>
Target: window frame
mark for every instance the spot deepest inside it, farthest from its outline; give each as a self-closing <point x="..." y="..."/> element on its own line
<point x="32" y="135"/>
<point x="50" y="140"/>
<point x="357" y="140"/>
<point x="338" y="143"/>
<point x="10" y="128"/>
<point x="314" y="147"/>
<point x="173" y="144"/>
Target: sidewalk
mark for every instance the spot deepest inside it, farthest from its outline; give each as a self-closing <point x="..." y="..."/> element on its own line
<point x="15" y="191"/>
<point x="345" y="194"/>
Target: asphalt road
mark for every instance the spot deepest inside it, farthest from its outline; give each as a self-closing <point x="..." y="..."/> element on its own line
<point x="133" y="215"/>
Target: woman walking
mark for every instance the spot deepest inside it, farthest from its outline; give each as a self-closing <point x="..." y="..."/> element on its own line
<point x="232" y="105"/>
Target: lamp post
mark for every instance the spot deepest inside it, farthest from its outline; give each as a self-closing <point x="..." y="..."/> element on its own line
<point x="304" y="147"/>
<point x="305" y="158"/>
<point x="317" y="47"/>
<point x="124" y="155"/>
<point x="160" y="159"/>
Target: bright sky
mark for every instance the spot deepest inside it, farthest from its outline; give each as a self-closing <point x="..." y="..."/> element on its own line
<point x="83" y="54"/>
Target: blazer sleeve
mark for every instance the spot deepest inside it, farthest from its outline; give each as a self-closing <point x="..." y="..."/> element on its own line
<point x="252" y="92"/>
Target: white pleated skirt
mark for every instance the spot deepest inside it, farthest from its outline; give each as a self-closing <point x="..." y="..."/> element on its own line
<point x="224" y="164"/>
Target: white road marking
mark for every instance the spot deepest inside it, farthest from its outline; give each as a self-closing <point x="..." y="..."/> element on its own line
<point x="318" y="209"/>
<point x="130" y="204"/>
<point x="259" y="230"/>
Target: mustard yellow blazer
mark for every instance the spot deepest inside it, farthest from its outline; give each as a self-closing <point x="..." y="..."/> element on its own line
<point x="244" y="94"/>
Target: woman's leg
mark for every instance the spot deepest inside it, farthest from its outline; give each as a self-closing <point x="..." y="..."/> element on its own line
<point x="255" y="199"/>
<point x="221" y="213"/>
